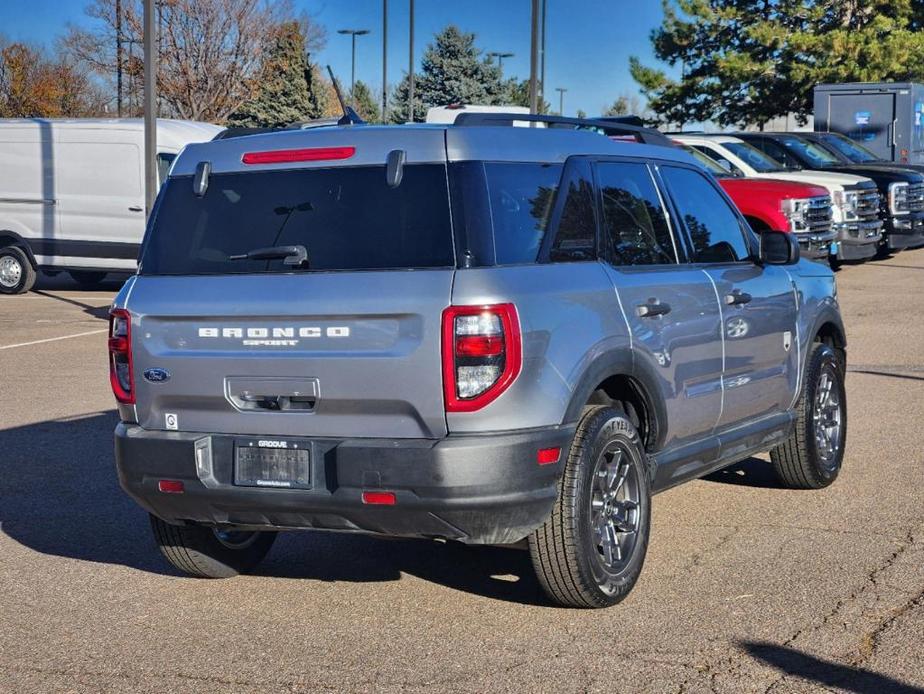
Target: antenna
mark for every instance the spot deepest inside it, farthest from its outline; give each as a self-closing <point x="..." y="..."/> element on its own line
<point x="349" y="117"/>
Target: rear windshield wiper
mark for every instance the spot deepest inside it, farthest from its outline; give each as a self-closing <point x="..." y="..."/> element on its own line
<point x="290" y="255"/>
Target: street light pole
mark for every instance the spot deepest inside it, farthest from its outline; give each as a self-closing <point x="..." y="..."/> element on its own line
<point x="150" y="106"/>
<point x="353" y="33"/>
<point x="384" y="59"/>
<point x="410" y="69"/>
<point x="500" y="59"/>
<point x="534" y="59"/>
<point x="561" y="100"/>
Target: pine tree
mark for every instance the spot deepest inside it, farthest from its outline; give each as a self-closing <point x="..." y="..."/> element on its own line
<point x="284" y="87"/>
<point x="748" y="61"/>
<point x="452" y="72"/>
<point x="364" y="103"/>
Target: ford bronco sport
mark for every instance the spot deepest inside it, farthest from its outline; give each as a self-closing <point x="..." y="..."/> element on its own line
<point x="468" y="332"/>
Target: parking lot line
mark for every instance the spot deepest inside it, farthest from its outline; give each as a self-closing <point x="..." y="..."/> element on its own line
<point x="54" y="339"/>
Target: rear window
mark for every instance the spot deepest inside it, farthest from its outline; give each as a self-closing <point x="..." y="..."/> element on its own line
<point x="347" y="218"/>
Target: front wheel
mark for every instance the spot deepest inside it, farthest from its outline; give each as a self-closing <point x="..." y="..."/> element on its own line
<point x="811" y="457"/>
<point x="17" y="275"/>
<point x="590" y="552"/>
<point x="211" y="552"/>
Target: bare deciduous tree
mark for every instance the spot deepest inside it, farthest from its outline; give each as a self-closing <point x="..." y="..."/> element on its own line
<point x="210" y="50"/>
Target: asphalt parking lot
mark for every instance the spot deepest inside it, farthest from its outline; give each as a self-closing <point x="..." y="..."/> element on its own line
<point x="747" y="587"/>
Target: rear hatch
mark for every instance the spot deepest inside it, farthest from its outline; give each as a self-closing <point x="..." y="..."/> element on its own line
<point x="344" y="344"/>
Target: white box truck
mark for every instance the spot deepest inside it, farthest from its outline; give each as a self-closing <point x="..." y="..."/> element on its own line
<point x="72" y="194"/>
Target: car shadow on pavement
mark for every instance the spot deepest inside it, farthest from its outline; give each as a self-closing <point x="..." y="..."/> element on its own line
<point x="829" y="674"/>
<point x="89" y="309"/>
<point x="60" y="495"/>
<point x="751" y="472"/>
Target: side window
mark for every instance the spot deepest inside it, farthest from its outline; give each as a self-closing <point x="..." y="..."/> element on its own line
<point x="576" y="235"/>
<point x="719" y="158"/>
<point x="634" y="224"/>
<point x="772" y="149"/>
<point x="712" y="225"/>
<point x="164" y="160"/>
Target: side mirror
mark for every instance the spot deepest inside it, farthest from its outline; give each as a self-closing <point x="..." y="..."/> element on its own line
<point x="778" y="248"/>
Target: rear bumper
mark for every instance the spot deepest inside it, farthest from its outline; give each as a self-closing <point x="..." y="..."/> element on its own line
<point x="904" y="231"/>
<point x="477" y="489"/>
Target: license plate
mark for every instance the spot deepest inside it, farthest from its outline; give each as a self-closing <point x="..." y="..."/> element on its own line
<point x="285" y="466"/>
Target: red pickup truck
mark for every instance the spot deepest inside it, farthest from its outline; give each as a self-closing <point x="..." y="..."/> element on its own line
<point x="800" y="208"/>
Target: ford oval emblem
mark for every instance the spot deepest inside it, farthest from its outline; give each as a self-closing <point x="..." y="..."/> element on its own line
<point x="157" y="375"/>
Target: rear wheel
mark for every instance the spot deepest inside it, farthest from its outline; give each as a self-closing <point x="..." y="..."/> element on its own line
<point x="591" y="550"/>
<point x="812" y="456"/>
<point x="16" y="272"/>
<point x="87" y="278"/>
<point x="211" y="552"/>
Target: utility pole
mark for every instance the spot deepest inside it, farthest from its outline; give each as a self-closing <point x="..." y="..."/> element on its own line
<point x="561" y="100"/>
<point x="150" y="106"/>
<point x="384" y="59"/>
<point x="542" y="56"/>
<point x="118" y="28"/>
<point x="410" y="69"/>
<point x="534" y="59"/>
<point x="353" y="33"/>
<point x="500" y="59"/>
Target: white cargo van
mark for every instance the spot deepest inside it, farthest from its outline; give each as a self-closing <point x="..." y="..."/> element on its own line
<point x="448" y="114"/>
<point x="72" y="194"/>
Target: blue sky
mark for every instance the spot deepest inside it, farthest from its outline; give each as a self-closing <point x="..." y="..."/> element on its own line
<point x="588" y="42"/>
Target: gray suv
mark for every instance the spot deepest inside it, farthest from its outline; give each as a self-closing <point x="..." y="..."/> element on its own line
<point x="480" y="333"/>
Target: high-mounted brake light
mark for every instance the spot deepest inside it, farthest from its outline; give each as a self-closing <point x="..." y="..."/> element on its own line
<point x="120" y="356"/>
<point x="482" y="354"/>
<point x="286" y="156"/>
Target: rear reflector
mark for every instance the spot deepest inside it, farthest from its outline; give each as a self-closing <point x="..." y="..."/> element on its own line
<point x="379" y="498"/>
<point x="285" y="156"/>
<point x="170" y="486"/>
<point x="547" y="456"/>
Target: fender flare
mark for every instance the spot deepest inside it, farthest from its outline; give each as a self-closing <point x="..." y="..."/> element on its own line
<point x="622" y="362"/>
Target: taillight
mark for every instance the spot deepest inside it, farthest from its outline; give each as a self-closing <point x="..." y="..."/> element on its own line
<point x="482" y="354"/>
<point x="120" y="356"/>
<point x="287" y="156"/>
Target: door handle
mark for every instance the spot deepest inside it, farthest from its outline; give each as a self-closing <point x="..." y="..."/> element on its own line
<point x="136" y="208"/>
<point x="652" y="309"/>
<point x="736" y="298"/>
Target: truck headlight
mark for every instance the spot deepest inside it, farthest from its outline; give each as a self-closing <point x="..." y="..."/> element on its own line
<point x="847" y="201"/>
<point x="898" y="198"/>
<point x="794" y="209"/>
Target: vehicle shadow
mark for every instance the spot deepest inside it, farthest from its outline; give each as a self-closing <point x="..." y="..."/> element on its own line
<point x="826" y="673"/>
<point x="751" y="472"/>
<point x="59" y="495"/>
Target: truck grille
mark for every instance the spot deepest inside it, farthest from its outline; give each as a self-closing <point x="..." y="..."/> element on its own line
<point x="916" y="197"/>
<point x="868" y="205"/>
<point x="818" y="217"/>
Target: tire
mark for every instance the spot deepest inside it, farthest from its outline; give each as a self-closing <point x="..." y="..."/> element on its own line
<point x="17" y="276"/>
<point x="209" y="553"/>
<point x="811" y="457"/>
<point x="573" y="563"/>
<point x="87" y="278"/>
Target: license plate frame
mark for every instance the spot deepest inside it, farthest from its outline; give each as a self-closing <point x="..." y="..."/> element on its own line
<point x="272" y="464"/>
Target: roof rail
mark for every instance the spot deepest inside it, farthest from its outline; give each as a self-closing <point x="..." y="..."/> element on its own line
<point x="614" y="129"/>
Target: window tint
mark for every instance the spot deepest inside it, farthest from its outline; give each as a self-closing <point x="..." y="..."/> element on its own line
<point x="849" y="148"/>
<point x="576" y="235"/>
<point x="772" y="149"/>
<point x="347" y="218"/>
<point x="753" y="157"/>
<point x="521" y="197"/>
<point x="712" y="225"/>
<point x="633" y="220"/>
